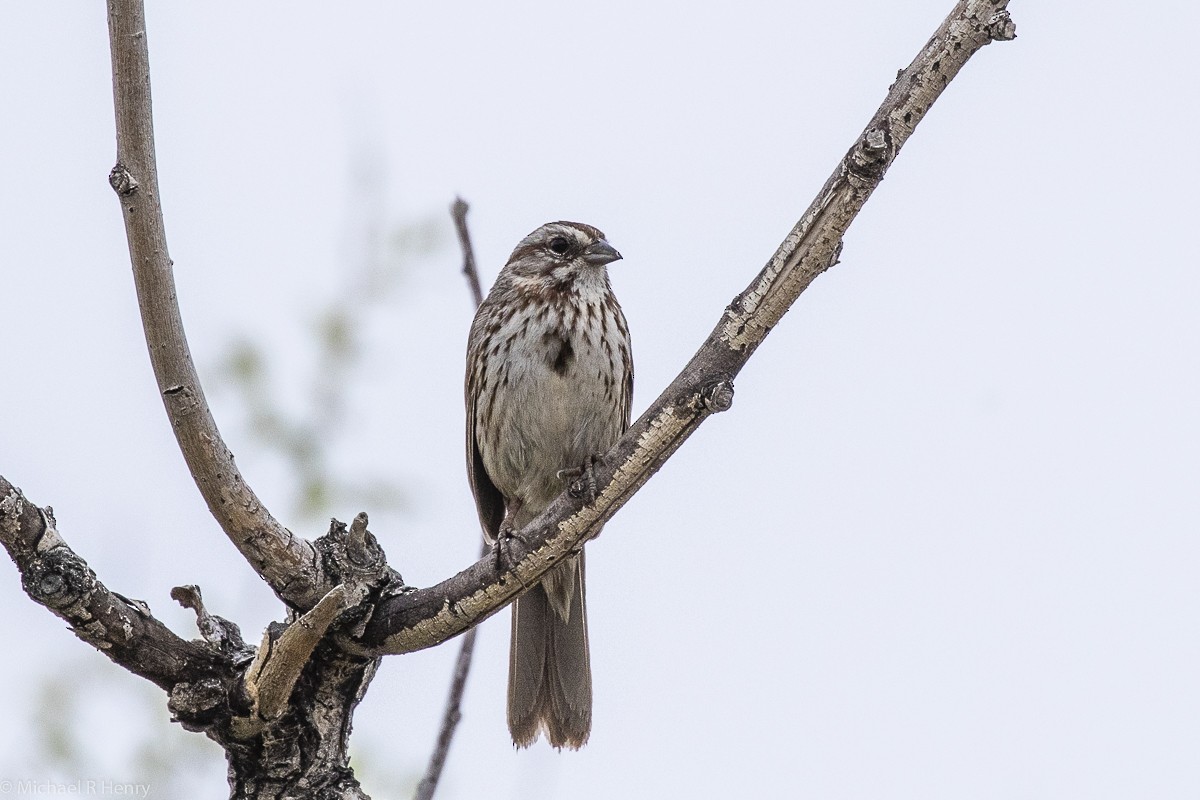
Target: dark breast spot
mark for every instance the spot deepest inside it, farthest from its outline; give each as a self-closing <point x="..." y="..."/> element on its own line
<point x="559" y="352"/>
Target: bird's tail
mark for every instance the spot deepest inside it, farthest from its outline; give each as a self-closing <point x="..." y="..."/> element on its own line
<point x="549" y="669"/>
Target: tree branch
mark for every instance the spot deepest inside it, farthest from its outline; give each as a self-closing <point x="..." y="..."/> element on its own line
<point x="286" y="562"/>
<point x="450" y="717"/>
<point x="123" y="629"/>
<point x="284" y="717"/>
<point x="283" y="655"/>
<point x="425" y="617"/>
<point x="459" y="212"/>
<point x="462" y="665"/>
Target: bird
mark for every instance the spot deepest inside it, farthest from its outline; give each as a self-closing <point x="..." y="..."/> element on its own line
<point x="549" y="384"/>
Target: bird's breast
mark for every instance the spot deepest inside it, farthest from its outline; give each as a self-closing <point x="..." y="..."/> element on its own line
<point x="558" y="401"/>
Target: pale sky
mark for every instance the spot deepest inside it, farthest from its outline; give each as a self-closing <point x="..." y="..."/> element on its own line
<point x="945" y="543"/>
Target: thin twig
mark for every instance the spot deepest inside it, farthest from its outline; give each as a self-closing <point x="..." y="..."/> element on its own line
<point x="450" y="719"/>
<point x="458" y="210"/>
<point x="462" y="666"/>
<point x="452" y="714"/>
<point x="285" y="561"/>
<point x="426" y="617"/>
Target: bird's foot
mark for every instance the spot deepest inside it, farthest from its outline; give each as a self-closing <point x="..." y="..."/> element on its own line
<point x="583" y="478"/>
<point x="501" y="550"/>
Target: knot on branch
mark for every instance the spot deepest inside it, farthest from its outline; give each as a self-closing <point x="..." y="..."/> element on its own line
<point x="223" y="635"/>
<point x="60" y="580"/>
<point x="717" y="397"/>
<point x="352" y="553"/>
<point x="871" y="154"/>
<point x="122" y="181"/>
<point x="182" y="400"/>
<point x="1001" y="27"/>
<point x="198" y="705"/>
<point x="354" y="561"/>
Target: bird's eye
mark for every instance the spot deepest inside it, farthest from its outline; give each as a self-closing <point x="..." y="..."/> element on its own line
<point x="559" y="245"/>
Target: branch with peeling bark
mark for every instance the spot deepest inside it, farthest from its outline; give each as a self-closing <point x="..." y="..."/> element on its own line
<point x="426" y="617"/>
<point x="283" y="711"/>
<point x="299" y="687"/>
<point x="705" y="386"/>
<point x="123" y="629"/>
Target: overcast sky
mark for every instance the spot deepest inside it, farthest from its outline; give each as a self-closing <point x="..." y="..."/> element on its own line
<point x="944" y="545"/>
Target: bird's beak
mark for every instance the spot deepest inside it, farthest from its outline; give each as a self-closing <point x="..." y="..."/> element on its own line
<point x="599" y="253"/>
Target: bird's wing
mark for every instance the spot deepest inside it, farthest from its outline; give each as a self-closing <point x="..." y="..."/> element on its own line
<point x="627" y="383"/>
<point x="488" y="500"/>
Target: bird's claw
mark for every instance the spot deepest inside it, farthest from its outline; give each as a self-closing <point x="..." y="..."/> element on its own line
<point x="500" y="551"/>
<point x="583" y="478"/>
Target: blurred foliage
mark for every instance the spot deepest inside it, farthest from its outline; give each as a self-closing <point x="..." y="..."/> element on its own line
<point x="304" y="433"/>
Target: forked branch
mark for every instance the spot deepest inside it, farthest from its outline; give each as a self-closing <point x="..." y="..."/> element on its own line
<point x="376" y="614"/>
<point x="422" y="618"/>
<point x="428" y="616"/>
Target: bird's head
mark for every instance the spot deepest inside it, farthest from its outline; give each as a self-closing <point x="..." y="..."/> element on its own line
<point x="560" y="252"/>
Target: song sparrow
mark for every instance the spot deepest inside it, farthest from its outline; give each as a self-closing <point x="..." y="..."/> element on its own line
<point x="549" y="382"/>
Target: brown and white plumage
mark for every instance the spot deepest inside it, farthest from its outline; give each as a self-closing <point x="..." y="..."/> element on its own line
<point x="549" y="384"/>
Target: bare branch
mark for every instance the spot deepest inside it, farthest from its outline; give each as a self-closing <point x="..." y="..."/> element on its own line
<point x="462" y="665"/>
<point x="123" y="629"/>
<point x="451" y="716"/>
<point x="285" y="561"/>
<point x="285" y="722"/>
<point x="459" y="210"/>
<point x="428" y="616"/>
